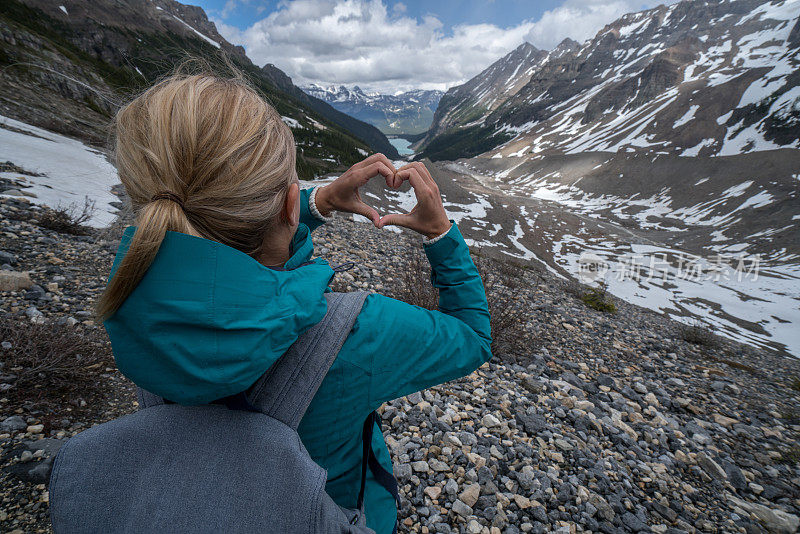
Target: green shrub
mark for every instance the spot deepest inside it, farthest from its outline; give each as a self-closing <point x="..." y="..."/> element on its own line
<point x="698" y="334"/>
<point x="597" y="299"/>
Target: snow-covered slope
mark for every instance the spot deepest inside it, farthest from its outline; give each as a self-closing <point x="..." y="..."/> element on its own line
<point x="60" y="171"/>
<point x="404" y="113"/>
<point x="470" y="103"/>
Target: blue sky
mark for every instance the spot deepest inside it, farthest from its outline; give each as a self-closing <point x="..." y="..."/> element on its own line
<point x="502" y="13"/>
<point x="392" y="46"/>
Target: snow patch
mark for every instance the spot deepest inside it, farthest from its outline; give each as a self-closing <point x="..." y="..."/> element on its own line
<point x="688" y="116"/>
<point x="291" y="123"/>
<point x="203" y="36"/>
<point x="71" y="169"/>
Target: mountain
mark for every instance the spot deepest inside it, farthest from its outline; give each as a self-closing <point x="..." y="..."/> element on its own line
<point x="405" y="113"/>
<point x="365" y="130"/>
<point x="465" y="105"/>
<point x="67" y="66"/>
<point x="672" y="140"/>
<point x="694" y="78"/>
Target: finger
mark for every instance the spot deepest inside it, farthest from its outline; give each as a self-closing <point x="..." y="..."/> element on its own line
<point x="421" y="170"/>
<point x="374" y="158"/>
<point x="368" y="212"/>
<point x="397" y="181"/>
<point x="419" y="185"/>
<point x="424" y="172"/>
<point x="396" y="219"/>
<point x="374" y="169"/>
<point x="391" y="181"/>
<point x="386" y="161"/>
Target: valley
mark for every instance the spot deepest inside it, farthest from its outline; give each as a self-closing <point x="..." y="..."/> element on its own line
<point x="403" y="113"/>
<point x="737" y="295"/>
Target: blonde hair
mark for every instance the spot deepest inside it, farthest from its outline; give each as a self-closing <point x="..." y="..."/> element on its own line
<point x="217" y="158"/>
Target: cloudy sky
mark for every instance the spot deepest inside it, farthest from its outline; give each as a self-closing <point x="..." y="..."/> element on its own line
<point x="391" y="46"/>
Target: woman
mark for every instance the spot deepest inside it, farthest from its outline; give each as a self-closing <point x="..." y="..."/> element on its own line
<point x="216" y="280"/>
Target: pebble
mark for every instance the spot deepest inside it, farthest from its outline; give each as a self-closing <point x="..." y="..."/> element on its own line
<point x="614" y="425"/>
<point x="470" y="494"/>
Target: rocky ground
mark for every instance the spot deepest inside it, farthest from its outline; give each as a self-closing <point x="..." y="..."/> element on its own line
<point x="602" y="423"/>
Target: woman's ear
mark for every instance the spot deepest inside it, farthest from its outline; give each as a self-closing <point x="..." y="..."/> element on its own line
<point x="291" y="209"/>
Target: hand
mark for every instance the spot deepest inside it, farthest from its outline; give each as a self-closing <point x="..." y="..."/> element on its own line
<point x="428" y="216"/>
<point x="342" y="194"/>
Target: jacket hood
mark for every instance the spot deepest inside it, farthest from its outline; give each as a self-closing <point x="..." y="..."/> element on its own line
<point x="207" y="320"/>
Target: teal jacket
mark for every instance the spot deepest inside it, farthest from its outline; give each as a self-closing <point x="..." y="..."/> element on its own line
<point x="207" y="320"/>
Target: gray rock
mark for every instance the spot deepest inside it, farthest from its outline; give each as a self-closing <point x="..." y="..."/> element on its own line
<point x="539" y="513"/>
<point x="533" y="385"/>
<point x="420" y="466"/>
<point x="32" y="312"/>
<point x="41" y="473"/>
<point x="414" y="398"/>
<point x="462" y="509"/>
<point x="14" y="423"/>
<point x="438" y="465"/>
<point x="774" y="519"/>
<point x="525" y="477"/>
<point x="35" y="292"/>
<point x="634" y="523"/>
<point x="490" y="421"/>
<point x="473" y="527"/>
<point x="735" y="475"/>
<point x="7" y="257"/>
<point x="402" y="471"/>
<point x="532" y="423"/>
<point x="711" y="467"/>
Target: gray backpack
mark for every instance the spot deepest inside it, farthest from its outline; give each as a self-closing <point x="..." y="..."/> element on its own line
<point x="236" y="467"/>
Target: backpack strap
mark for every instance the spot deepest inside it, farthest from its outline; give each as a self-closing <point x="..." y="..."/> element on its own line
<point x="286" y="390"/>
<point x="368" y="459"/>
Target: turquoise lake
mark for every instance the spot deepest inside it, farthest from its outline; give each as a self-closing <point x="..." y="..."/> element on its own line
<point x="402" y="146"/>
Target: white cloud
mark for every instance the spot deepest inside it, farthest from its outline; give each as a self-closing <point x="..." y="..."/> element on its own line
<point x="581" y="19"/>
<point x="362" y="42"/>
<point x="228" y="8"/>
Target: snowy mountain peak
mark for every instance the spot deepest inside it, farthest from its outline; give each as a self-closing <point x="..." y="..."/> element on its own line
<point x="402" y="113"/>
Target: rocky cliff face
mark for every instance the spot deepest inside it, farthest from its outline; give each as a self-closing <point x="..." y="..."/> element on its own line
<point x="67" y="66"/>
<point x="694" y="78"/>
<point x="407" y="113"/>
<point x="468" y="104"/>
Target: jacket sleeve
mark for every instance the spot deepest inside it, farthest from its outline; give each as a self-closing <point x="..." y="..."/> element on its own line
<point x="405" y="348"/>
<point x="306" y="216"/>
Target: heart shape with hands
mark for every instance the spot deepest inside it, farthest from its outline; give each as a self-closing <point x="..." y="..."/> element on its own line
<point x="427" y="217"/>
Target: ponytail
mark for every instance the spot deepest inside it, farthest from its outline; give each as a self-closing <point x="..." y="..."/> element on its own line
<point x="152" y="224"/>
<point x="200" y="155"/>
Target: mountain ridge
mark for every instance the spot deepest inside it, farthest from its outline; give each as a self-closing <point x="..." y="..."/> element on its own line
<point x="718" y="49"/>
<point x="68" y="67"/>
<point x="406" y="113"/>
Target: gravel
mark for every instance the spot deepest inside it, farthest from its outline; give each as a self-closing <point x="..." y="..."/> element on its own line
<point x="612" y="423"/>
